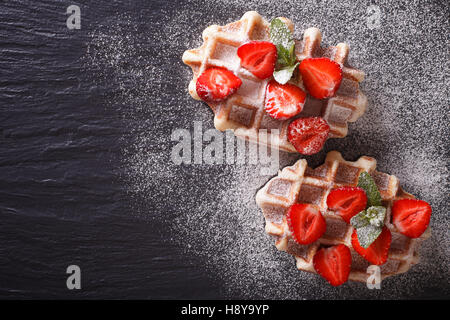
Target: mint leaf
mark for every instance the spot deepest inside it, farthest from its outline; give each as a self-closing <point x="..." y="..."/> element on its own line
<point x="376" y="215"/>
<point x="366" y="182"/>
<point x="283" y="75"/>
<point x="286" y="56"/>
<point x="280" y="35"/>
<point x="282" y="38"/>
<point x="283" y="57"/>
<point x="367" y="235"/>
<point x="369" y="224"/>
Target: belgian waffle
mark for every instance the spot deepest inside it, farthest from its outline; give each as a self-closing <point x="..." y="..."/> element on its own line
<point x="243" y="112"/>
<point x="300" y="183"/>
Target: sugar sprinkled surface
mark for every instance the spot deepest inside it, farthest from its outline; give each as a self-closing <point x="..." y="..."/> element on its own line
<point x="210" y="209"/>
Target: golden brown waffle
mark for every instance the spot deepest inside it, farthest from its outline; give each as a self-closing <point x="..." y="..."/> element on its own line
<point x="299" y="183"/>
<point x="243" y="112"/>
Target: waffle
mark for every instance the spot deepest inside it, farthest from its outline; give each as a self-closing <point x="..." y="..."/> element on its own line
<point x="243" y="112"/>
<point x="300" y="183"/>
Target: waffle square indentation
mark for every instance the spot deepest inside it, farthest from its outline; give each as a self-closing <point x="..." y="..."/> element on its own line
<point x="267" y="122"/>
<point x="336" y="228"/>
<point x="242" y="114"/>
<point x="296" y="249"/>
<point x="381" y="180"/>
<point x="338" y="113"/>
<point x="250" y="88"/>
<point x="319" y="172"/>
<point x="347" y="174"/>
<point x="390" y="267"/>
<point x="259" y="33"/>
<point x="358" y="262"/>
<point x="400" y="243"/>
<point x="313" y="107"/>
<point x="310" y="194"/>
<point x="280" y="187"/>
<point x="274" y="213"/>
<point x="348" y="88"/>
<point x="225" y="53"/>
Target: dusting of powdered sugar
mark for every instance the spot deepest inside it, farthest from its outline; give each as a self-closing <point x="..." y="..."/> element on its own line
<point x="210" y="210"/>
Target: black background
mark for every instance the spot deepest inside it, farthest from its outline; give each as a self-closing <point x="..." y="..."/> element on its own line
<point x="73" y="115"/>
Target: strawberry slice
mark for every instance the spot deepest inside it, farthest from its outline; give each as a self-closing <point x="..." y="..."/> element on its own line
<point x="308" y="135"/>
<point x="258" y="57"/>
<point x="377" y="252"/>
<point x="283" y="101"/>
<point x="305" y="222"/>
<point x="217" y="83"/>
<point x="333" y="263"/>
<point x="321" y="76"/>
<point x="411" y="216"/>
<point x="347" y="201"/>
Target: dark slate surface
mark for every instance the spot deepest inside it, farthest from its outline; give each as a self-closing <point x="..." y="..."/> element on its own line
<point x="73" y="111"/>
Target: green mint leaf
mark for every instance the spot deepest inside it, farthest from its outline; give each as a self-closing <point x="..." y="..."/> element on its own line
<point x="280" y="35"/>
<point x="283" y="57"/>
<point x="282" y="38"/>
<point x="369" y="224"/>
<point x="360" y="220"/>
<point x="376" y="215"/>
<point x="366" y="182"/>
<point x="282" y="76"/>
<point x="367" y="235"/>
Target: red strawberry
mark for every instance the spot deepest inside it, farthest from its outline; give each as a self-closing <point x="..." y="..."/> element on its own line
<point x="283" y="101"/>
<point x="347" y="201"/>
<point x="217" y="83"/>
<point x="411" y="216"/>
<point x="321" y="76"/>
<point x="258" y="57"/>
<point x="377" y="252"/>
<point x="308" y="135"/>
<point x="333" y="263"/>
<point x="305" y="222"/>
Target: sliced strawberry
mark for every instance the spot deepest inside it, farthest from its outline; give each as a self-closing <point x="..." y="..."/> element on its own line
<point x="411" y="216"/>
<point x="321" y="76"/>
<point x="217" y="83"/>
<point x="308" y="135"/>
<point x="258" y="57"/>
<point x="333" y="263"/>
<point x="305" y="222"/>
<point x="283" y="101"/>
<point x="347" y="201"/>
<point x="377" y="252"/>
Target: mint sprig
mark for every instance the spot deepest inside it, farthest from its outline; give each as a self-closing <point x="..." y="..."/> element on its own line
<point x="367" y="235"/>
<point x="282" y="38"/>
<point x="369" y="223"/>
<point x="284" y="74"/>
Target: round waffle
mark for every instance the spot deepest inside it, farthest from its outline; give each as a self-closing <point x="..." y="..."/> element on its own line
<point x="301" y="184"/>
<point x="243" y="112"/>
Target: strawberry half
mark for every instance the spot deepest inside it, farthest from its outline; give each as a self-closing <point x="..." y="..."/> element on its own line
<point x="258" y="57"/>
<point x="411" y="216"/>
<point x="377" y="252"/>
<point x="305" y="222"/>
<point x="283" y="101"/>
<point x="321" y="76"/>
<point x="217" y="83"/>
<point x="334" y="264"/>
<point x="347" y="201"/>
<point x="308" y="135"/>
